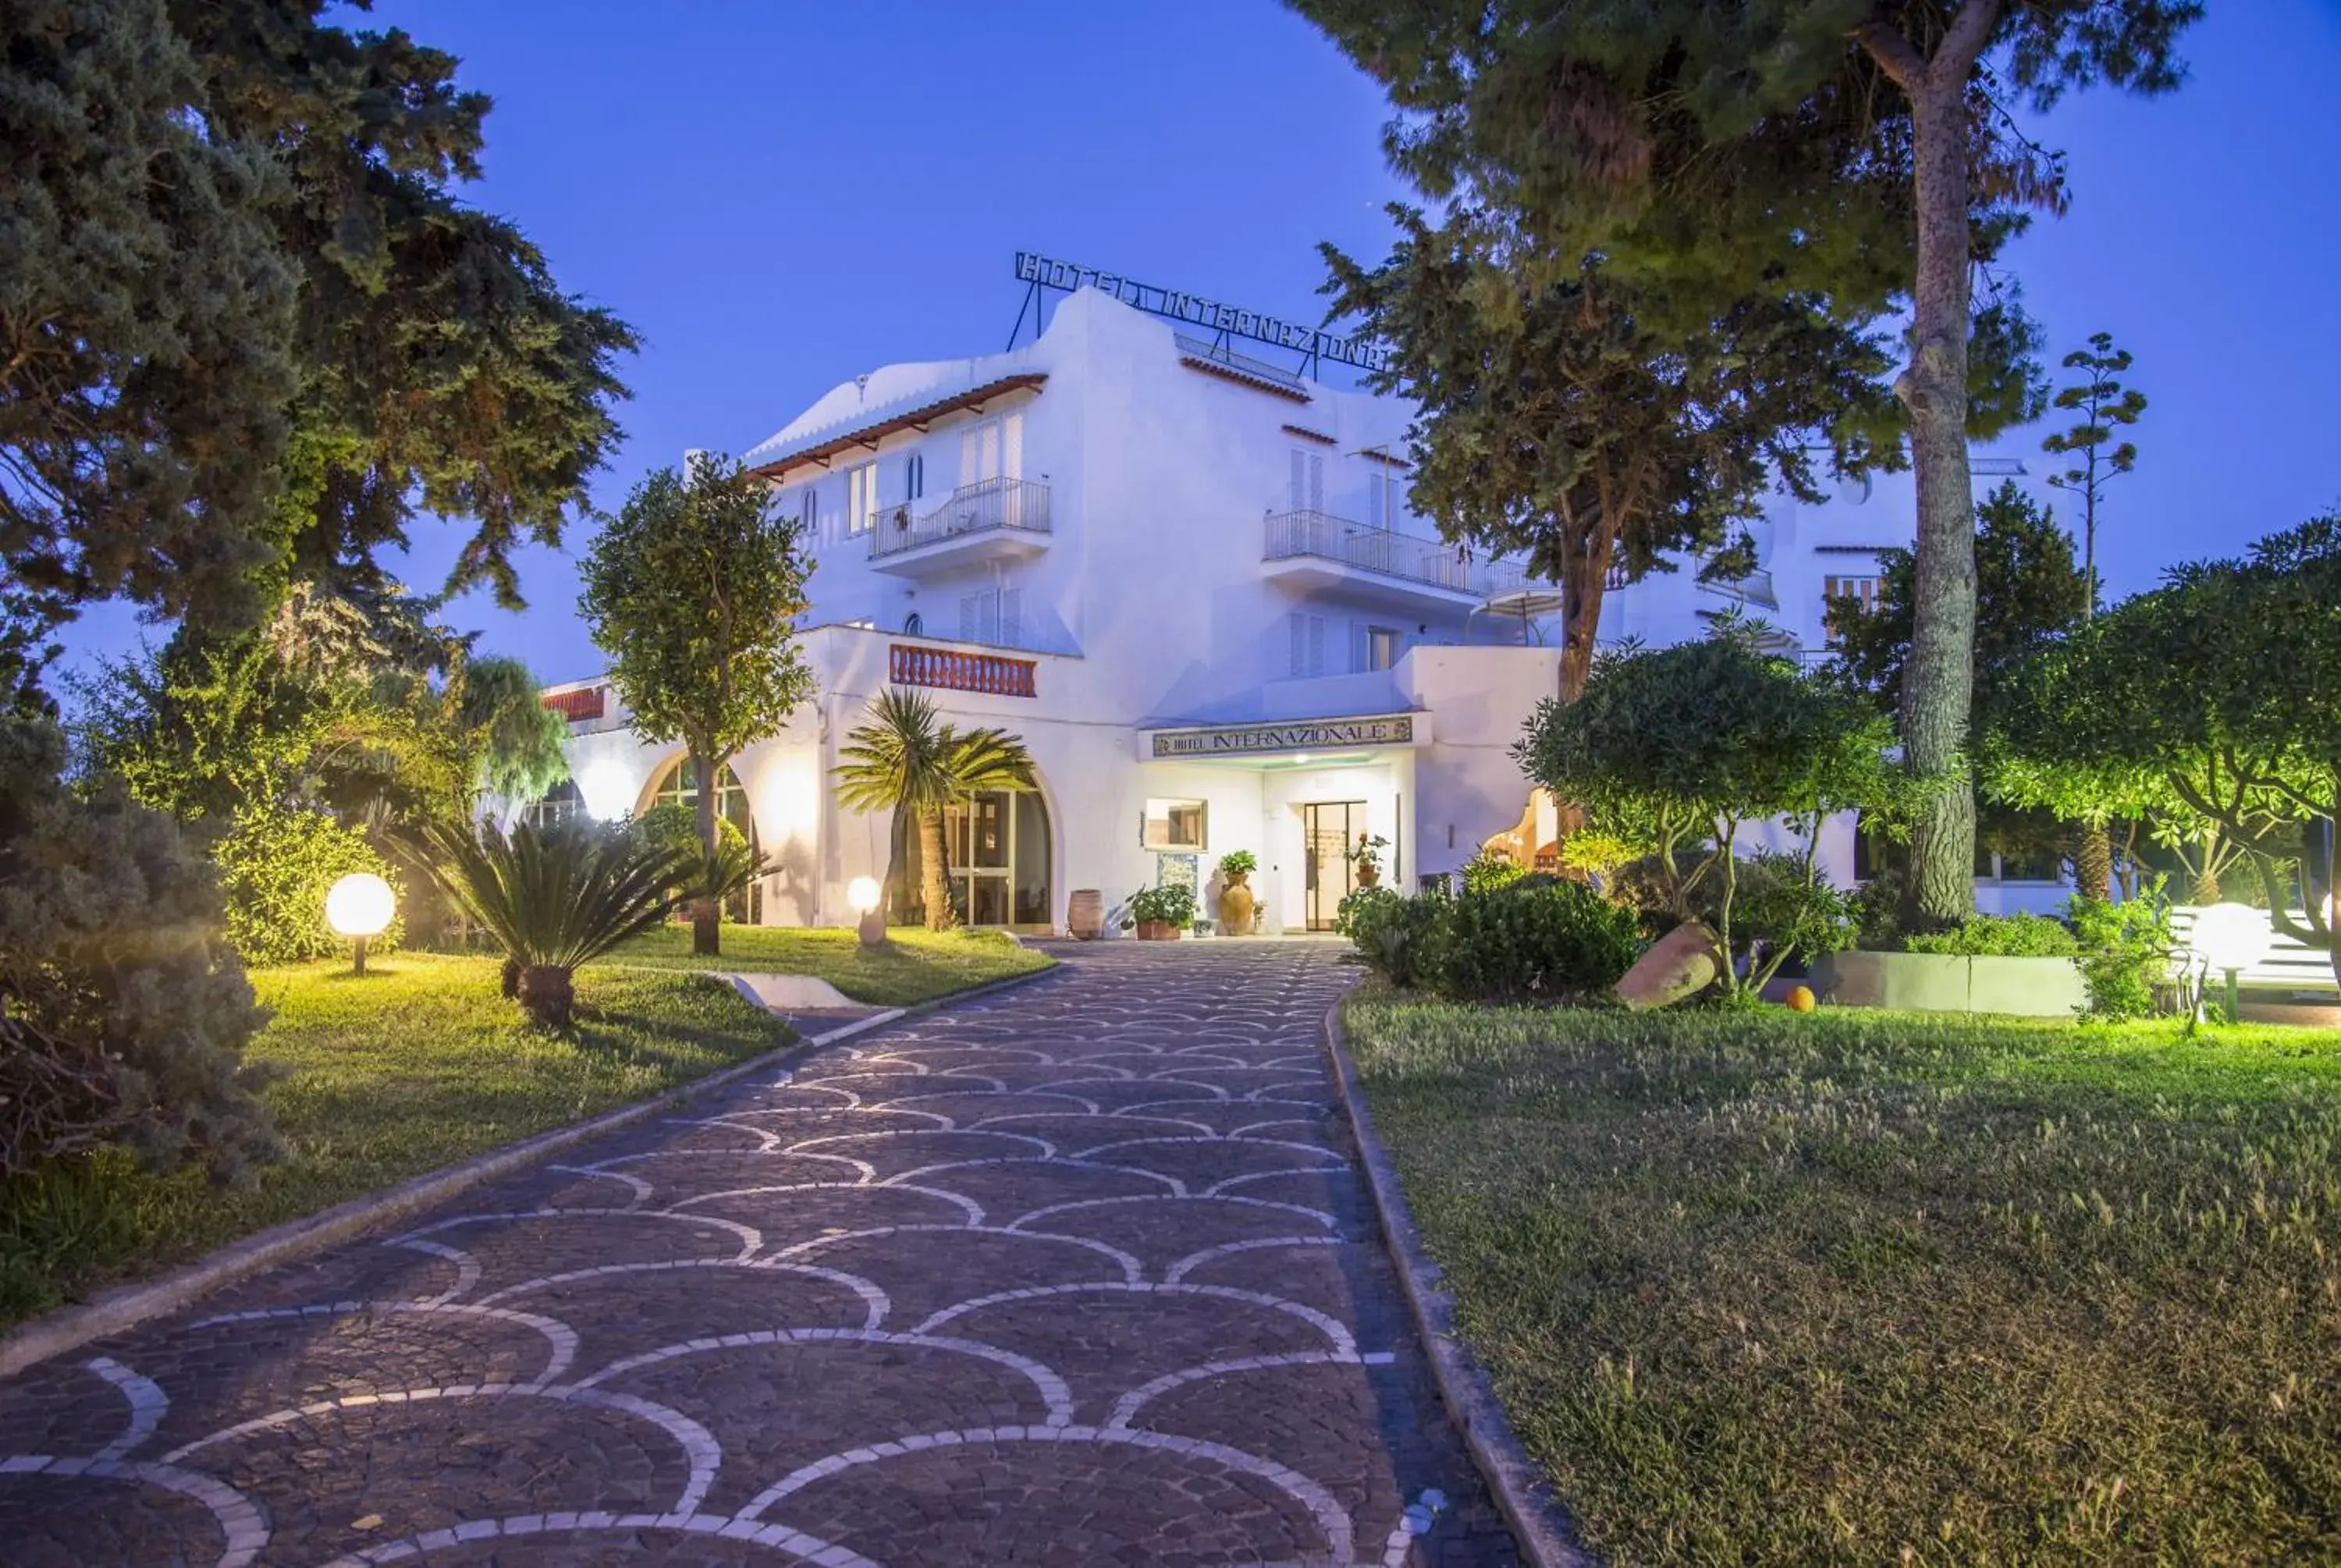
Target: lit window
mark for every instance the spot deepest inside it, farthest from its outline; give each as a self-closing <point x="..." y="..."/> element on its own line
<point x="1173" y="825"/>
<point x="1863" y="590"/>
<point x="1382" y="648"/>
<point x="860" y="497"/>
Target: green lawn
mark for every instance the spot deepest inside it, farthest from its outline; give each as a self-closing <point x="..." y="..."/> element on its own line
<point x="417" y="1065"/>
<point x="1866" y="1288"/>
<point x="915" y="965"/>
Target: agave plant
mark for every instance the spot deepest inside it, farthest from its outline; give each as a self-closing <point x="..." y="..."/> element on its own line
<point x="555" y="898"/>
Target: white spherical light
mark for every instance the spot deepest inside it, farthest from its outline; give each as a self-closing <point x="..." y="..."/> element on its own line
<point x="360" y="905"/>
<point x="863" y="894"/>
<point x="2231" y="935"/>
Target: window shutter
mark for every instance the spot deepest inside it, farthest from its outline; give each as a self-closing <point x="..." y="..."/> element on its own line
<point x="1362" y="654"/>
<point x="968" y="618"/>
<point x="1297" y="488"/>
<point x="1308" y="646"/>
<point x="1316" y="481"/>
<point x="1011" y="446"/>
<point x="1012" y="615"/>
<point x="969" y="455"/>
<point x="1377" y="499"/>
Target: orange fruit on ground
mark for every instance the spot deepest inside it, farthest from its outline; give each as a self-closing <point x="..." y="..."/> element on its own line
<point x="1801" y="999"/>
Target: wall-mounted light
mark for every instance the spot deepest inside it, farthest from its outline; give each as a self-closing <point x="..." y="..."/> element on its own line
<point x="358" y="907"/>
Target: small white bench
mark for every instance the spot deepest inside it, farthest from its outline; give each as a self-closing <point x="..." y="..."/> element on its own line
<point x="2290" y="965"/>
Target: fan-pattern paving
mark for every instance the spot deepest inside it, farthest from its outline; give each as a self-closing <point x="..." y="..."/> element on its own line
<point x="1081" y="1273"/>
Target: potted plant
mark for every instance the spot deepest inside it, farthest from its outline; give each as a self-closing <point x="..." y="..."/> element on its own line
<point x="1237" y="900"/>
<point x="1366" y="859"/>
<point x="1162" y="913"/>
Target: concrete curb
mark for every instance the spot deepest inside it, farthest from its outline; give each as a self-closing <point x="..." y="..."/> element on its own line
<point x="1540" y="1524"/>
<point x="128" y="1305"/>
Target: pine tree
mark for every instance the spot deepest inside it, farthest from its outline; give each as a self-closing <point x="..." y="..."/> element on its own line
<point x="1856" y="152"/>
<point x="2103" y="403"/>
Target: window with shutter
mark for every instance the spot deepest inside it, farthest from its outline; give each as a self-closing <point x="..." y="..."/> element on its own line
<point x="861" y="497"/>
<point x="1308" y="646"/>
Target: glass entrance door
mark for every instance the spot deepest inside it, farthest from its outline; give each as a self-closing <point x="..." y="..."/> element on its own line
<point x="1328" y="830"/>
<point x="996" y="858"/>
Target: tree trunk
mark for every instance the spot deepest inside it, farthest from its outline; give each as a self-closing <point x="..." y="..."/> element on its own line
<point x="2093" y="864"/>
<point x="934" y="875"/>
<point x="546" y="991"/>
<point x="1937" y="683"/>
<point x="706" y="915"/>
<point x="1584" y="576"/>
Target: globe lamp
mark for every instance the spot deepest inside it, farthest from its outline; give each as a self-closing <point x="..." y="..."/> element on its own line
<point x="358" y="907"/>
<point x="2231" y="937"/>
<point x="863" y="894"/>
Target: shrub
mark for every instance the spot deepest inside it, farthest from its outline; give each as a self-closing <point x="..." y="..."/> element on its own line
<point x="555" y="898"/>
<point x="2124" y="952"/>
<point x="1550" y="941"/>
<point x="2000" y="936"/>
<point x="1484" y="872"/>
<point x="125" y="1016"/>
<point x="275" y="866"/>
<point x="1593" y="853"/>
<point x="1388" y="931"/>
<point x="1793" y="916"/>
<point x="1175" y="904"/>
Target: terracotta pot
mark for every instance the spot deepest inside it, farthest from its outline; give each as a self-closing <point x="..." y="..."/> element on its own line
<point x="1157" y="931"/>
<point x="1235" y="906"/>
<point x="1085" y="914"/>
<point x="1369" y="874"/>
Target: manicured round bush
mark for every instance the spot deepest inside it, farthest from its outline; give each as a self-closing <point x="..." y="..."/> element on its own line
<point x="275" y="866"/>
<point x="1484" y="873"/>
<point x="1543" y="940"/>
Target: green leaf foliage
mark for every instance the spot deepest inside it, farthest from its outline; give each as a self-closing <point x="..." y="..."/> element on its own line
<point x="1681" y="747"/>
<point x="1173" y="904"/>
<point x="275" y="868"/>
<point x="123" y="1017"/>
<point x="1535" y="939"/>
<point x="901" y="757"/>
<point x="2000" y="936"/>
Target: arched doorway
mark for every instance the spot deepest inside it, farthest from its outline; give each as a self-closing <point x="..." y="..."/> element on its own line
<point x="997" y="847"/>
<point x="679" y="786"/>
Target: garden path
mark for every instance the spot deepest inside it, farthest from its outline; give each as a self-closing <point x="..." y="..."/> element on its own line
<point x="1079" y="1273"/>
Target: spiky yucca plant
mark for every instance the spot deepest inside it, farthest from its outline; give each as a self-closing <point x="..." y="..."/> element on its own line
<point x="555" y="898"/>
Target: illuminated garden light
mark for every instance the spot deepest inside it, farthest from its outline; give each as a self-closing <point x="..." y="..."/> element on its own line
<point x="358" y="907"/>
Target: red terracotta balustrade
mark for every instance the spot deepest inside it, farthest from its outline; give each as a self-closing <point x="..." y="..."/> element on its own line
<point x="908" y="664"/>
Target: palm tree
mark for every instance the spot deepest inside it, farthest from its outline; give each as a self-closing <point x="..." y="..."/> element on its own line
<point x="901" y="759"/>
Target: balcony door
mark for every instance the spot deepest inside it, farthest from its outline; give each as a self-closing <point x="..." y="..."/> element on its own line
<point x="1328" y="830"/>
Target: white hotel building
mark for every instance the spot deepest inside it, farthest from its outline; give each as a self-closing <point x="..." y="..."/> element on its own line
<point x="1189" y="580"/>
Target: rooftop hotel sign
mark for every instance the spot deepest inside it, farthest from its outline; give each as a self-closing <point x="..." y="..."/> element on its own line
<point x="1042" y="272"/>
<point x="1297" y="735"/>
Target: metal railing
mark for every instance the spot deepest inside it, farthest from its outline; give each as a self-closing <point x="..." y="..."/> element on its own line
<point x="991" y="504"/>
<point x="1377" y="550"/>
<point x="1756" y="588"/>
<point x="1242" y="364"/>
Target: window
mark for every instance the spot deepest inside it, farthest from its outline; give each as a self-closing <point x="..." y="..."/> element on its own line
<point x="1173" y="825"/>
<point x="915" y="624"/>
<point x="809" y="512"/>
<point x="1308" y="645"/>
<point x="1306" y="489"/>
<point x="996" y="615"/>
<point x="914" y="477"/>
<point x="860" y="497"/>
<point x="1379" y="647"/>
<point x="992" y="449"/>
<point x="1862" y="590"/>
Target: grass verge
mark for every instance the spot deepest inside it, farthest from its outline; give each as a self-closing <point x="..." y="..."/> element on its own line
<point x="1866" y="1289"/>
<point x="417" y="1065"/>
<point x="915" y="965"/>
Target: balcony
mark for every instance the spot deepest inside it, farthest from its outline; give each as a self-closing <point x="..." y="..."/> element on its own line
<point x="1317" y="550"/>
<point x="960" y="670"/>
<point x="992" y="519"/>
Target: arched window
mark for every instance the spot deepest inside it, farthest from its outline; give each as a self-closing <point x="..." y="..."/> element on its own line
<point x="915" y="624"/>
<point x="679" y="786"/>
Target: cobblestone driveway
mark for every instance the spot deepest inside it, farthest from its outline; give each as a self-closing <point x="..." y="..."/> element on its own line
<point x="1080" y="1274"/>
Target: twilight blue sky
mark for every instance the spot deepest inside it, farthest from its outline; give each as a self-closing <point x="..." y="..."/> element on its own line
<point x="780" y="196"/>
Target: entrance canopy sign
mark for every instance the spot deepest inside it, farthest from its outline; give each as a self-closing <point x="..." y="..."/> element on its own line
<point x="1314" y="345"/>
<point x="1292" y="735"/>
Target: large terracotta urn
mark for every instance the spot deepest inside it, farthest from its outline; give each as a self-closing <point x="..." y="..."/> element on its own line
<point x="1236" y="905"/>
<point x="1085" y="914"/>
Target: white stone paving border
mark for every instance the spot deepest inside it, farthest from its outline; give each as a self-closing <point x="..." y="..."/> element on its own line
<point x="127" y="1307"/>
<point x="240" y="1521"/>
<point x="1540" y="1524"/>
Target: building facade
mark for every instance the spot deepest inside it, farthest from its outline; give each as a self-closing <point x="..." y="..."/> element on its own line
<point x="1189" y="580"/>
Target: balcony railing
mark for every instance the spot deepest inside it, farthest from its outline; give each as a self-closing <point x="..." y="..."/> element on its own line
<point x="956" y="669"/>
<point x="1376" y="549"/>
<point x="986" y="506"/>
